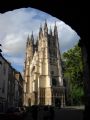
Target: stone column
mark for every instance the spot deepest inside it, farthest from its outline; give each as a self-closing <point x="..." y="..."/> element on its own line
<point x="86" y="75"/>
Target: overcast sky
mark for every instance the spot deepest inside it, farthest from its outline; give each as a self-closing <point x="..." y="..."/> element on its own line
<point x="17" y="24"/>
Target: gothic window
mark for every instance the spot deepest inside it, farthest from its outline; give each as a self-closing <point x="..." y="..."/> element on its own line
<point x="52" y="72"/>
<point x="29" y="102"/>
<point x="54" y="82"/>
<point x="54" y="43"/>
<point x="50" y="52"/>
<point x="3" y="86"/>
<point x="50" y="60"/>
<point x="54" y="53"/>
<point x="48" y="42"/>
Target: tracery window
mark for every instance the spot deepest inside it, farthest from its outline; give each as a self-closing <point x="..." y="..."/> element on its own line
<point x="54" y="82"/>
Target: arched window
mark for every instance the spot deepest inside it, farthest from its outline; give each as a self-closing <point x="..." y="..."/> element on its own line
<point x="54" y="82"/>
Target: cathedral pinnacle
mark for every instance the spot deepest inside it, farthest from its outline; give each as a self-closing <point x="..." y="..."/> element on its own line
<point x="50" y="31"/>
<point x="32" y="38"/>
<point x="55" y="30"/>
<point x="45" y="28"/>
<point x="27" y="40"/>
<point x="55" y="27"/>
<point x="40" y="30"/>
<point x="45" y="25"/>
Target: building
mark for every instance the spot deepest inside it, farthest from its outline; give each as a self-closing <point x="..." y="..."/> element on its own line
<point x="4" y="66"/>
<point x="19" y="88"/>
<point x="15" y="88"/>
<point x="11" y="86"/>
<point x="43" y="82"/>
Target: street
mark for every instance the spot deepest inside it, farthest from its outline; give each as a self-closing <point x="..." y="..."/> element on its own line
<point x="45" y="114"/>
<point x="60" y="114"/>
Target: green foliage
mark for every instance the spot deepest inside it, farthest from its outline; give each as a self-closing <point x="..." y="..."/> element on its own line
<point x="73" y="73"/>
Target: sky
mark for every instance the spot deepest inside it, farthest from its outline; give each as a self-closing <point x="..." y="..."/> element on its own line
<point x="16" y="25"/>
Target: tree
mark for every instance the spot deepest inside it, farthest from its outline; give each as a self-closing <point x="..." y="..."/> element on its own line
<point x="73" y="74"/>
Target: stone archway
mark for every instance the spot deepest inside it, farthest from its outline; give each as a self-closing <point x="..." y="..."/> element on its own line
<point x="70" y="12"/>
<point x="29" y="101"/>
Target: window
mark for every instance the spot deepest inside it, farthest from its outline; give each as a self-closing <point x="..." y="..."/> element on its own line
<point x="52" y="72"/>
<point x="54" y="82"/>
<point x="49" y="42"/>
<point x="0" y="62"/>
<point x="54" y="43"/>
<point x="4" y="68"/>
<point x="3" y="86"/>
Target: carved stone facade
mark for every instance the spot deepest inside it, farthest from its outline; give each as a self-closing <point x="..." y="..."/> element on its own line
<point x="43" y="83"/>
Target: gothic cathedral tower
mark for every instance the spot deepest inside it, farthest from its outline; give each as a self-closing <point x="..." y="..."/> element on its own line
<point x="43" y="82"/>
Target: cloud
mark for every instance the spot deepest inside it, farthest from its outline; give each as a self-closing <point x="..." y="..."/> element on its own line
<point x="17" y="24"/>
<point x="67" y="37"/>
<point x="14" y="44"/>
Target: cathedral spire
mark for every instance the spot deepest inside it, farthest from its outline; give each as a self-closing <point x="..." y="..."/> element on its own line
<point x="45" y="28"/>
<point x="32" y="37"/>
<point x="50" y="31"/>
<point x="55" y="30"/>
<point x="45" y="25"/>
<point x="40" y="31"/>
<point x="27" y="40"/>
<point x="37" y="42"/>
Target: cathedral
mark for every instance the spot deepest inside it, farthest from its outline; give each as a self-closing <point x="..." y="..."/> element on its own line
<point x="43" y="81"/>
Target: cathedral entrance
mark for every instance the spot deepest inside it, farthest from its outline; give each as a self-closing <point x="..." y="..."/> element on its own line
<point x="29" y="102"/>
